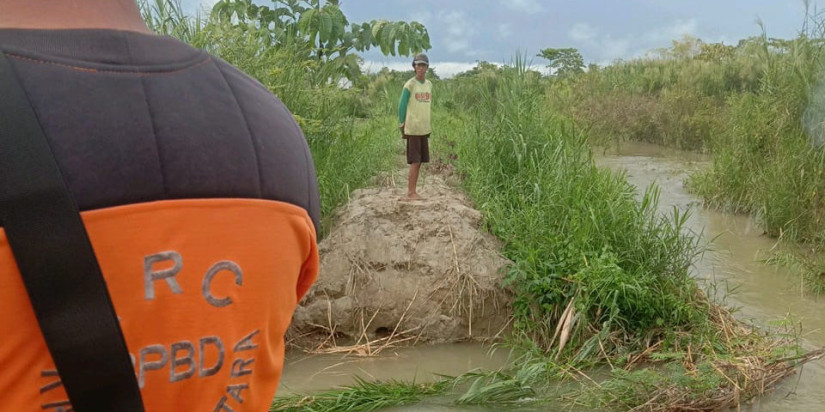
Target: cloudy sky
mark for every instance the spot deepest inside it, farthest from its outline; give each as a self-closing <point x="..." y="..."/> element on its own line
<point x="463" y="32"/>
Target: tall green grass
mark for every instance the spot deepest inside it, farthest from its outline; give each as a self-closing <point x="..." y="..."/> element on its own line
<point x="765" y="162"/>
<point x="756" y="107"/>
<point x="362" y="396"/>
<point x="600" y="278"/>
<point x="581" y="242"/>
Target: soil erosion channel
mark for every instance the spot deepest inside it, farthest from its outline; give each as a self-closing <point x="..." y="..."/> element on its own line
<point x="761" y="292"/>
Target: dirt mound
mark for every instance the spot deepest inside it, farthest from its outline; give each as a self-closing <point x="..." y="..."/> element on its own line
<point x="393" y="268"/>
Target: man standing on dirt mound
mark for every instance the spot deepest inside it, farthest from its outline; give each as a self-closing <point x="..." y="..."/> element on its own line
<point x="158" y="216"/>
<point x="414" y="116"/>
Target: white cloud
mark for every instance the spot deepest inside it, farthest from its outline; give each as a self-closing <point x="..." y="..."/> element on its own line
<point x="504" y="30"/>
<point x="605" y="48"/>
<point x="422" y="17"/>
<point x="674" y="31"/>
<point x="456" y="45"/>
<point x="612" y="49"/>
<point x="457" y="23"/>
<point x="449" y="69"/>
<point x="194" y="6"/>
<point x="370" y="66"/>
<point x="583" y="32"/>
<point x="460" y="30"/>
<point x="444" y="70"/>
<point x="526" y="6"/>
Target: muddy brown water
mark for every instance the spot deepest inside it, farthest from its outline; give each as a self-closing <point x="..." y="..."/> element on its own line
<point x="762" y="293"/>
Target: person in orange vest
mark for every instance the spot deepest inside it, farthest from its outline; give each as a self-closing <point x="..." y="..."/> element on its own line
<point x="414" y="117"/>
<point x="196" y="192"/>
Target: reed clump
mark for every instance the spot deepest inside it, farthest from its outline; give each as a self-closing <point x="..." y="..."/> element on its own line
<point x="756" y="106"/>
<point x="362" y="396"/>
<point x="590" y="261"/>
<point x="704" y="375"/>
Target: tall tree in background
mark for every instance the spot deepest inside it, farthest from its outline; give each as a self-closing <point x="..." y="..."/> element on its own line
<point x="563" y="62"/>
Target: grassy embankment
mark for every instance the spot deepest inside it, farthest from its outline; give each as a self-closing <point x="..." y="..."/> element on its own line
<point x="601" y="280"/>
<point x="757" y="108"/>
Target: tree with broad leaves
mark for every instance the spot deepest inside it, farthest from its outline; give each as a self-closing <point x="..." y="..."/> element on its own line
<point x="563" y="62"/>
<point x="324" y="27"/>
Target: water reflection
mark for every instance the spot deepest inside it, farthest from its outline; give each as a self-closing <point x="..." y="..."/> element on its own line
<point x="305" y="373"/>
<point x="762" y="293"/>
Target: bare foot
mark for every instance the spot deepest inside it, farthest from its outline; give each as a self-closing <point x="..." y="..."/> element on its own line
<point x="413" y="196"/>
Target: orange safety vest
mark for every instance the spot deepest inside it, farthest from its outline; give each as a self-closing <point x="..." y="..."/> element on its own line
<point x="198" y="193"/>
<point x="204" y="290"/>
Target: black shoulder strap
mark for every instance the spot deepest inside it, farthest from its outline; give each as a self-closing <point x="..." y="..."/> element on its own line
<point x="59" y="268"/>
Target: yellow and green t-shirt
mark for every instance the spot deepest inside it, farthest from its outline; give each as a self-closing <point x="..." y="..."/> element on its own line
<point x="414" y="107"/>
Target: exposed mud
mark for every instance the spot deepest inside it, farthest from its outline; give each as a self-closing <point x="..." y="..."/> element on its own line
<point x="422" y="269"/>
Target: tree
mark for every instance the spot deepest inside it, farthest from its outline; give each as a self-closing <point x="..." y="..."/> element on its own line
<point x="481" y="67"/>
<point x="563" y="62"/>
<point x="686" y="48"/>
<point x="715" y="52"/>
<point x="324" y="27"/>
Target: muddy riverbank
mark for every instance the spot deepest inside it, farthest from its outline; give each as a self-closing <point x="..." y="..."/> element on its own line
<point x="732" y="269"/>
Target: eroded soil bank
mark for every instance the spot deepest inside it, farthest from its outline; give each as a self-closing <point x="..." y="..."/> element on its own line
<point x="395" y="271"/>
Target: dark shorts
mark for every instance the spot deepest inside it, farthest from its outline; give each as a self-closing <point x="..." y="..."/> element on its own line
<point x="418" y="149"/>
